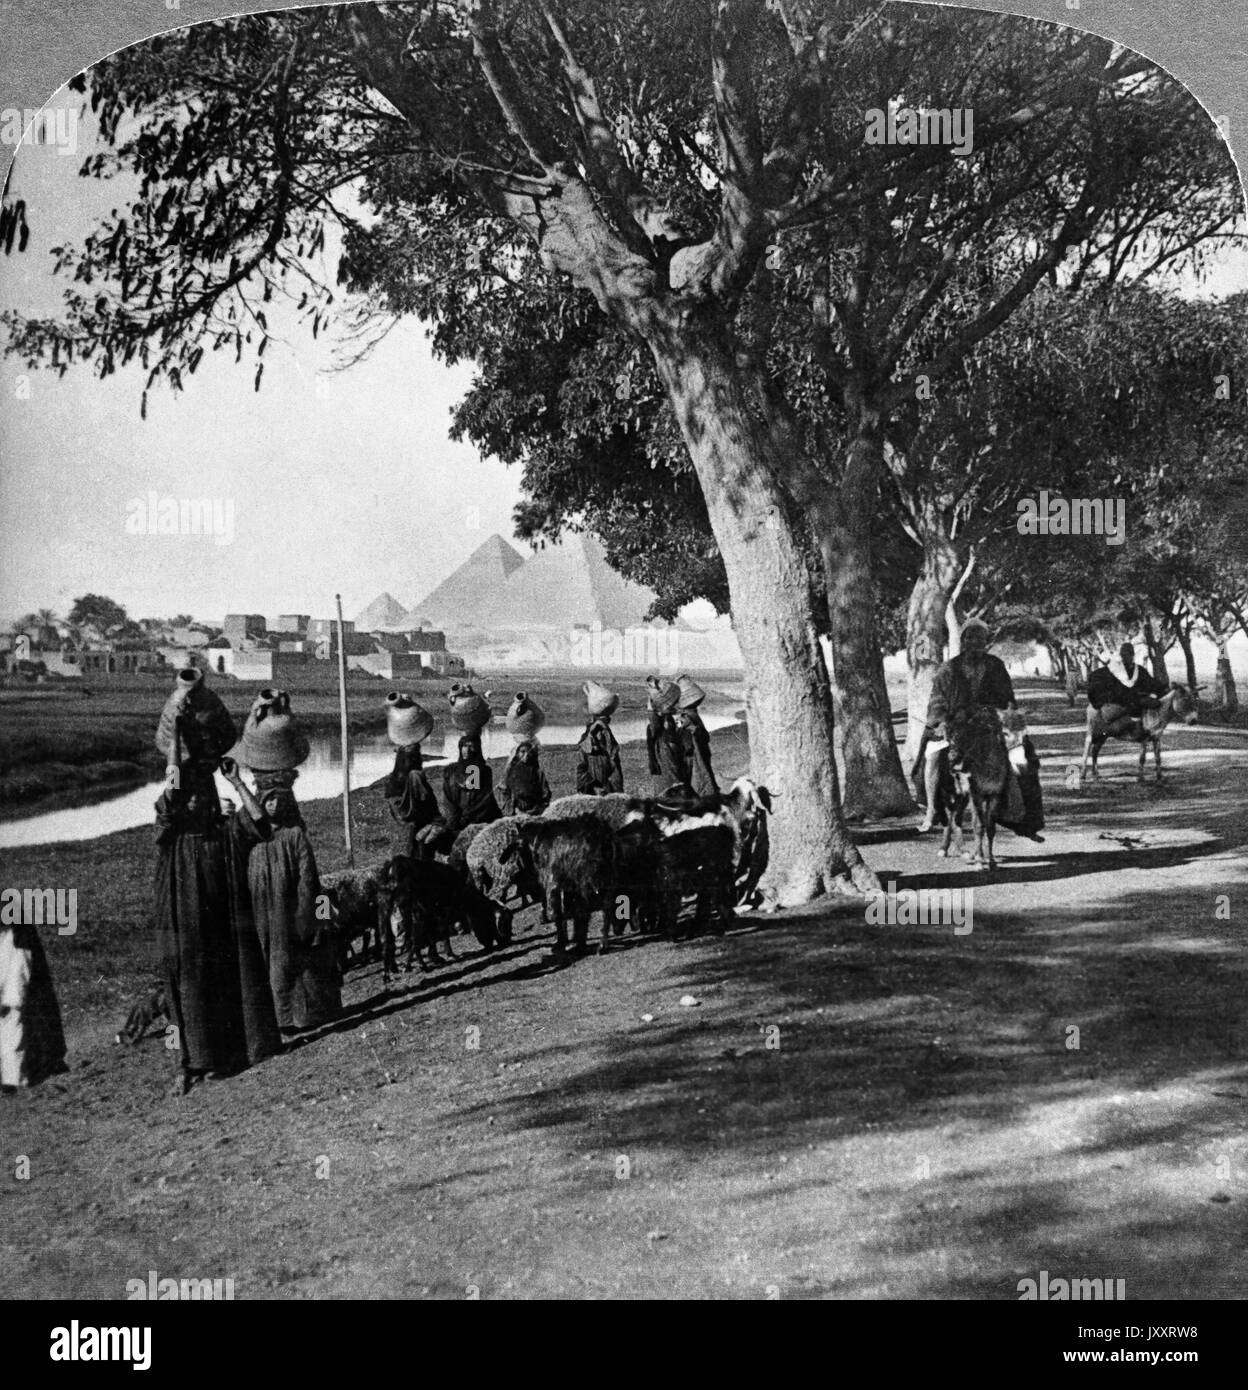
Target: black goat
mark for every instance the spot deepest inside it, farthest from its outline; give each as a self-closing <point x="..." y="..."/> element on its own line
<point x="699" y="861"/>
<point x="575" y="862"/>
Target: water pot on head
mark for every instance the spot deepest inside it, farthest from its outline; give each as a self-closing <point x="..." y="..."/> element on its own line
<point x="599" y="700"/>
<point x="194" y="721"/>
<point x="525" y="717"/>
<point x="664" y="694"/>
<point x="470" y="712"/>
<point x="407" y="722"/>
<point x="272" y="738"/>
<point x="691" y="693"/>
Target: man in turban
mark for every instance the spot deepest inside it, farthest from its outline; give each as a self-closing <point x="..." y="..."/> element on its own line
<point x="972" y="679"/>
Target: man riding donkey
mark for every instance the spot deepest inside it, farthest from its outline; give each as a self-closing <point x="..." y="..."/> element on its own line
<point x="975" y="679"/>
<point x="1125" y="702"/>
<point x="1121" y="691"/>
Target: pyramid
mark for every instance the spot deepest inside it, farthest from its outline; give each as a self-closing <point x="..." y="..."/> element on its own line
<point x="385" y="611"/>
<point x="456" y="602"/>
<point x="563" y="586"/>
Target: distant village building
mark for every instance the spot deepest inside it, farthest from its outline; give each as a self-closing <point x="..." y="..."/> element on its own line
<point x="35" y="649"/>
<point x="241" y="628"/>
<point x="194" y="635"/>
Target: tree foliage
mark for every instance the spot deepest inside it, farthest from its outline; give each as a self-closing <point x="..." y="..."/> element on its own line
<point x="95" y="610"/>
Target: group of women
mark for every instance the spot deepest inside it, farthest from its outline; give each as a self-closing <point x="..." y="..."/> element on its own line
<point x="678" y="750"/>
<point x="245" y="936"/>
<point x="245" y="942"/>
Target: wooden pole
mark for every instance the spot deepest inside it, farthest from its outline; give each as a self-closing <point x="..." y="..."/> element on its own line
<point x="346" y="736"/>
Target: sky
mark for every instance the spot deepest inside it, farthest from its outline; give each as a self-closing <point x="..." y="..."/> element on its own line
<point x="326" y="483"/>
<point x="343" y="483"/>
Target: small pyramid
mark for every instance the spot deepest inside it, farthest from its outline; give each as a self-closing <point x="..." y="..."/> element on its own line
<point x="385" y="611"/>
<point x="463" y="592"/>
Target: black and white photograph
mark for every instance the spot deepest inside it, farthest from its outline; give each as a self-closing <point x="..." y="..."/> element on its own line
<point x="624" y="659"/>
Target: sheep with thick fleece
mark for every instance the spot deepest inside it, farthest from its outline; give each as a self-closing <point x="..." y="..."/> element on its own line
<point x="497" y="863"/>
<point x="457" y="858"/>
<point x="613" y="810"/>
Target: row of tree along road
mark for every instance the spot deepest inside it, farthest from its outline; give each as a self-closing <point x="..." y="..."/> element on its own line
<point x="768" y="360"/>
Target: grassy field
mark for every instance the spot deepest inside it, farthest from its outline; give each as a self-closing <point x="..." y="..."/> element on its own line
<point x="58" y="741"/>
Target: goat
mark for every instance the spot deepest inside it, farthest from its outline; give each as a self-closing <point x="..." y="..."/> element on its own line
<point x="372" y="902"/>
<point x="980" y="767"/>
<point x="634" y="896"/>
<point x="438" y="900"/>
<point x="359" y="906"/>
<point x="699" y="861"/>
<point x="575" y="862"/>
<point x="410" y="887"/>
<point x="743" y="809"/>
<point x="1177" y="703"/>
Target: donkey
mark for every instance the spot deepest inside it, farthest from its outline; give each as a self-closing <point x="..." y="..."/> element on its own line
<point x="1179" y="703"/>
<point x="979" y="768"/>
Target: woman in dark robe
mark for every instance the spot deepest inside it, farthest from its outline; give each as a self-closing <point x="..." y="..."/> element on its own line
<point x="411" y="799"/>
<point x="524" y="790"/>
<point x="598" y="769"/>
<point x="243" y="830"/>
<point x="285" y="886"/>
<point x="696" y="743"/>
<point x="665" y="750"/>
<point x="195" y="928"/>
<point x="468" y="790"/>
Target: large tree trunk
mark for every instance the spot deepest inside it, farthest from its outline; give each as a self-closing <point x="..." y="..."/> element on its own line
<point x="790" y="708"/>
<point x="1070" y="673"/>
<point x="926" y="628"/>
<point x="1189" y="657"/>
<point x="1156" y="655"/>
<point x="872" y="781"/>
<point x="1225" y="696"/>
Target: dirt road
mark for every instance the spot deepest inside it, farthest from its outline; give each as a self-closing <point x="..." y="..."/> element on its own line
<point x="848" y="1110"/>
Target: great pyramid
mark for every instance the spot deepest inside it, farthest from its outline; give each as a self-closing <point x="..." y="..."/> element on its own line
<point x="456" y="601"/>
<point x="385" y="611"/>
<point x="563" y="586"/>
<point x="529" y="612"/>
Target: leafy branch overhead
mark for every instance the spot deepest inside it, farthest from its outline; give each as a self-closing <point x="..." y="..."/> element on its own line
<point x="650" y="158"/>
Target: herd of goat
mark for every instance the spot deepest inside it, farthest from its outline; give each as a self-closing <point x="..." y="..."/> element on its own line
<point x="636" y="860"/>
